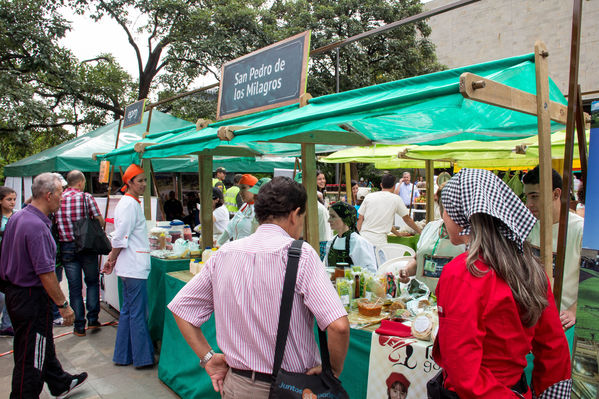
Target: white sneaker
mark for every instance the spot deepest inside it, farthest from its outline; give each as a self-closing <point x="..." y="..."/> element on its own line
<point x="58" y="321"/>
<point x="76" y="382"/>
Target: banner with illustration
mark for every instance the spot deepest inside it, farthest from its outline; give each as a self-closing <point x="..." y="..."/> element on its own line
<point x="400" y="367"/>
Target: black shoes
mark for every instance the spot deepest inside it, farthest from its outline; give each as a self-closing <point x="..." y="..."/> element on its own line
<point x="80" y="332"/>
<point x="76" y="382"/>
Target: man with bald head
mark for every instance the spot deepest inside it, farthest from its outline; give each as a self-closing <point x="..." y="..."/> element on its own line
<point x="77" y="204"/>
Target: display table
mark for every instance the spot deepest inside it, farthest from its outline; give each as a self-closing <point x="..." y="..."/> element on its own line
<point x="179" y="367"/>
<point x="156" y="302"/>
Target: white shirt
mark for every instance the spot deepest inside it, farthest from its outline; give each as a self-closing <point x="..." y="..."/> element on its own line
<point x="221" y="219"/>
<point x="379" y="210"/>
<point x="572" y="263"/>
<point x="324" y="228"/>
<point x="131" y="234"/>
<point x="361" y="251"/>
<point x="242" y="225"/>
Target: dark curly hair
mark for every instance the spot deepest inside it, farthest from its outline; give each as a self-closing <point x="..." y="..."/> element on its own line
<point x="278" y="198"/>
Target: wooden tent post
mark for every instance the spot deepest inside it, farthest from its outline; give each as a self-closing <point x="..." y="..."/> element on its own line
<point x="573" y="110"/>
<point x="147" y="167"/>
<point x="309" y="181"/>
<point x="544" y="126"/>
<point x="582" y="138"/>
<point x="350" y="198"/>
<point x="339" y="180"/>
<point x="160" y="204"/>
<point x="111" y="174"/>
<point x="430" y="188"/>
<point x="205" y="176"/>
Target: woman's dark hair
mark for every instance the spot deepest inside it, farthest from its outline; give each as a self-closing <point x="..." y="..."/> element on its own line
<point x="217" y="194"/>
<point x="354" y="183"/>
<point x="4" y="191"/>
<point x="322" y="190"/>
<point x="278" y="198"/>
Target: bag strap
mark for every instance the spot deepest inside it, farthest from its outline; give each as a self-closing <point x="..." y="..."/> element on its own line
<point x="85" y="209"/>
<point x="293" y="257"/>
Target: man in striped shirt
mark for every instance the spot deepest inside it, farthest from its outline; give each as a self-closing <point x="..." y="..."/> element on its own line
<point x="242" y="284"/>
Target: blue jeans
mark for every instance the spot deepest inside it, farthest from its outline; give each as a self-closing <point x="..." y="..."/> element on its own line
<point x="74" y="265"/>
<point x="5" y="320"/>
<point x="133" y="342"/>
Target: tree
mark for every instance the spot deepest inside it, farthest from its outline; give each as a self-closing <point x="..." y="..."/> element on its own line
<point x="44" y="89"/>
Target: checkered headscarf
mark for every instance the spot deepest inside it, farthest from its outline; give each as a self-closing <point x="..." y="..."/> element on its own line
<point x="473" y="191"/>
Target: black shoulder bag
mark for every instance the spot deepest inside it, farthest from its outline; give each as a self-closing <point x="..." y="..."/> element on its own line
<point x="89" y="235"/>
<point x="287" y="385"/>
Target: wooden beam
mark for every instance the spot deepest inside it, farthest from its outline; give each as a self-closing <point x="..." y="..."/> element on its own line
<point x="158" y="197"/>
<point x="309" y="182"/>
<point x="148" y="191"/>
<point x="429" y="176"/>
<point x="229" y="150"/>
<point x="205" y="185"/>
<point x="573" y="109"/>
<point x="348" y="183"/>
<point x="544" y="126"/>
<point x="582" y="139"/>
<point x="486" y="91"/>
<point x="326" y="137"/>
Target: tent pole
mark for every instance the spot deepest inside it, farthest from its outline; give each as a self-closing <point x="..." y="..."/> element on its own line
<point x="160" y="204"/>
<point x="309" y="182"/>
<point x="430" y="188"/>
<point x="205" y="175"/>
<point x="350" y="198"/>
<point x="339" y="180"/>
<point x="147" y="167"/>
<point x="111" y="174"/>
<point x="573" y="97"/>
<point x="544" y="127"/>
<point x="582" y="138"/>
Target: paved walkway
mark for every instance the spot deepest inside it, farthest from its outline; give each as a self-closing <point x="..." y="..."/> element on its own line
<point x="92" y="353"/>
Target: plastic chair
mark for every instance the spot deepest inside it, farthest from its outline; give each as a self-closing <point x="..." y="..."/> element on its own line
<point x="384" y="252"/>
<point x="393" y="265"/>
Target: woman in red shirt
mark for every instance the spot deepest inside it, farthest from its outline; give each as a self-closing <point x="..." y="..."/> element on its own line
<point x="495" y="303"/>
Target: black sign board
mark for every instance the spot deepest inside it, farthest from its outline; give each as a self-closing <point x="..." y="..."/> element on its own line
<point x="134" y="113"/>
<point x="267" y="78"/>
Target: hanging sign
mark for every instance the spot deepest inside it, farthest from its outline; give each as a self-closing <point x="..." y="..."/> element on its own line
<point x="134" y="113"/>
<point x="104" y="172"/>
<point x="271" y="77"/>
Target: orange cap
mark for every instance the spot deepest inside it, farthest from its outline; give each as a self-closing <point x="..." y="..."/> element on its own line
<point x="132" y="171"/>
<point x="248" y="179"/>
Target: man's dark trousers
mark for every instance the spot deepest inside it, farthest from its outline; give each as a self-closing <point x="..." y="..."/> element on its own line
<point x="34" y="352"/>
<point x="75" y="264"/>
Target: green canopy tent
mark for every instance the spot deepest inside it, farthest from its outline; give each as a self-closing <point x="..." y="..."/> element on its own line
<point x="77" y="153"/>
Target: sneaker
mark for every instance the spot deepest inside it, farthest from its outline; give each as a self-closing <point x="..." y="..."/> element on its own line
<point x="76" y="382"/>
<point x="92" y="325"/>
<point x="7" y="332"/>
<point x="80" y="332"/>
<point x="58" y="321"/>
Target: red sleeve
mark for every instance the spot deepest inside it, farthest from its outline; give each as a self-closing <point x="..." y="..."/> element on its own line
<point x="550" y="348"/>
<point x="461" y="301"/>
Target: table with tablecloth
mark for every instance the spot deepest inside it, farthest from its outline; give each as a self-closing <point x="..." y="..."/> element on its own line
<point x="156" y="301"/>
<point x="179" y="367"/>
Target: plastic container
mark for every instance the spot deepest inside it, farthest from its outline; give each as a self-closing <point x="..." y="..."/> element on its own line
<point x="206" y="254"/>
<point x="176" y="230"/>
<point x="187" y="234"/>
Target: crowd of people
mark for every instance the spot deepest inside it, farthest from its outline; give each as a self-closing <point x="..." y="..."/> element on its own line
<point x="480" y="256"/>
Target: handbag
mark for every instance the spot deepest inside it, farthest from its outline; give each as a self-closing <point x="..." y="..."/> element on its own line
<point x="89" y="235"/>
<point x="287" y="385"/>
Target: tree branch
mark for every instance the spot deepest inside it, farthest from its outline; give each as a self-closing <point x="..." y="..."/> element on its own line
<point x="100" y="58"/>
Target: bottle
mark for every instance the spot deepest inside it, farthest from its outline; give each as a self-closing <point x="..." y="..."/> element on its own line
<point x="206" y="254"/>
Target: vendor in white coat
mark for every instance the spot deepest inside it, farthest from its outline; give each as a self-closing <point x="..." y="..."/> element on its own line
<point x="348" y="246"/>
<point x="130" y="257"/>
<point x="244" y="222"/>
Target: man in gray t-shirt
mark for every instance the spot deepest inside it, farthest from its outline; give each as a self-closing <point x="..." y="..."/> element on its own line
<point x="29" y="282"/>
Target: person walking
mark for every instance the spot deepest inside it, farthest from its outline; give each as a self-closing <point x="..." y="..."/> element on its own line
<point x="242" y="284"/>
<point x="76" y="205"/>
<point x="130" y="258"/>
<point x="29" y="281"/>
<point x="8" y="199"/>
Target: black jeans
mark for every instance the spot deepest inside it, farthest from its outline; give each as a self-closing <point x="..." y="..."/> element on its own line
<point x="34" y="352"/>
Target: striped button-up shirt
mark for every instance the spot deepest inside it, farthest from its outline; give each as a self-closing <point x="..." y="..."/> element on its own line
<point x="242" y="283"/>
<point x="72" y="209"/>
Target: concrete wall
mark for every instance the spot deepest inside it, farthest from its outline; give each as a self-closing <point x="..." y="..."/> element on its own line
<point x="493" y="29"/>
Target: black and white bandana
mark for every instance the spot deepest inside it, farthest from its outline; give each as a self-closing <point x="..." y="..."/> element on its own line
<point x="473" y="191"/>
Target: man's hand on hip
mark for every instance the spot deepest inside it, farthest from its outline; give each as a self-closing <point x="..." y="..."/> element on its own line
<point x="217" y="368"/>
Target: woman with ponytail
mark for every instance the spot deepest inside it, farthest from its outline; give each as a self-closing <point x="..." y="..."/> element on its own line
<point x="495" y="303"/>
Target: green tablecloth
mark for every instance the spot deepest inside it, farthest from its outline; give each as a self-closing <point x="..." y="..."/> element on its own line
<point x="156" y="301"/>
<point x="179" y="367"/>
<point x="409" y="241"/>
